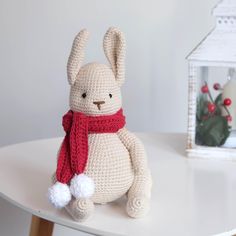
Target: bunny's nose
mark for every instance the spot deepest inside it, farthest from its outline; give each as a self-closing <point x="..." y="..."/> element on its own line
<point x="99" y="103"/>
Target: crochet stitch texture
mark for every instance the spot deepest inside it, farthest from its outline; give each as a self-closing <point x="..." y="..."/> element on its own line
<point x="116" y="163"/>
<point x="73" y="154"/>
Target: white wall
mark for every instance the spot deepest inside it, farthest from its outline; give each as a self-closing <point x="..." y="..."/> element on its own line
<point x="35" y="39"/>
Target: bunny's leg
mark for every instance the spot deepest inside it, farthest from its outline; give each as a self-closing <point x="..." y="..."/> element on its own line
<point x="80" y="209"/>
<point x="139" y="196"/>
<point x="140" y="191"/>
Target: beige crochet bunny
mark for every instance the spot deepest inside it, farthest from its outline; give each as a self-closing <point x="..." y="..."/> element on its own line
<point x="116" y="163"/>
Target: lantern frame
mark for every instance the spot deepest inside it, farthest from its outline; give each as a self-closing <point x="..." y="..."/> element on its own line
<point x="217" y="49"/>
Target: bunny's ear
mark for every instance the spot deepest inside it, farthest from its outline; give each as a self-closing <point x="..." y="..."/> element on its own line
<point x="77" y="55"/>
<point x="114" y="48"/>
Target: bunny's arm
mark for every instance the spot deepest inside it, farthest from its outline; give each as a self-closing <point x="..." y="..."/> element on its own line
<point x="142" y="179"/>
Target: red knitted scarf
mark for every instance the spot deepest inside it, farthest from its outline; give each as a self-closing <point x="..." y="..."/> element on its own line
<point x="73" y="154"/>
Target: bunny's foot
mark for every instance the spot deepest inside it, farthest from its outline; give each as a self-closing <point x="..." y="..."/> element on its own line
<point x="80" y="209"/>
<point x="138" y="206"/>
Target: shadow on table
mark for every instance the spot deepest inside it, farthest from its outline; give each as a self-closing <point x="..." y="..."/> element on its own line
<point x="166" y="142"/>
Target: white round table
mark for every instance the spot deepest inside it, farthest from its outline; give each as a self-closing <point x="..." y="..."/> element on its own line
<point x="189" y="197"/>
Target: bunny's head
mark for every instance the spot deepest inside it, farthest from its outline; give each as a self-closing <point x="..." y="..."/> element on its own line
<point x="95" y="88"/>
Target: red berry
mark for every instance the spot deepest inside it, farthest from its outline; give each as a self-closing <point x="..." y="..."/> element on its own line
<point x="217" y="86"/>
<point x="205" y="89"/>
<point x="227" y="102"/>
<point x="229" y="118"/>
<point x="211" y="107"/>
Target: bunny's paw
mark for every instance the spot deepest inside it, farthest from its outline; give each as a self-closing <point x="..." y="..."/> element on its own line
<point x="59" y="195"/>
<point x="137" y="207"/>
<point x="80" y="209"/>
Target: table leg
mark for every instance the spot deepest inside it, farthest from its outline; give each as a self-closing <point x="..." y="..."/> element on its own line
<point x="40" y="227"/>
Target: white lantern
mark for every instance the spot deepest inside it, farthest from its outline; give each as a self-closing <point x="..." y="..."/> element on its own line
<point x="212" y="89"/>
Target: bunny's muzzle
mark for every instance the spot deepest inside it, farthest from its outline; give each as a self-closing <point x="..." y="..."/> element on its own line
<point x="99" y="103"/>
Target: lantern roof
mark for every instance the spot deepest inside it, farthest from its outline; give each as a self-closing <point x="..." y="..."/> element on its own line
<point x="225" y="8"/>
<point x="220" y="44"/>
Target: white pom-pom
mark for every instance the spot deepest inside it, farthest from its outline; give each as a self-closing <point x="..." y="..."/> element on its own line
<point x="59" y="195"/>
<point x="81" y="186"/>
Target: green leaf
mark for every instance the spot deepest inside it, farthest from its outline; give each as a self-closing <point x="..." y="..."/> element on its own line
<point x="218" y="100"/>
<point x="202" y="107"/>
<point x="213" y="131"/>
<point x="218" y="103"/>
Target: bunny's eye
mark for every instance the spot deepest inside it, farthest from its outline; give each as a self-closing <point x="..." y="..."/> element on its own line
<point x="84" y="95"/>
<point x="110" y="95"/>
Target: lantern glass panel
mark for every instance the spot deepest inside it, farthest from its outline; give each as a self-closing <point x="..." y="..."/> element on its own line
<point x="214" y="118"/>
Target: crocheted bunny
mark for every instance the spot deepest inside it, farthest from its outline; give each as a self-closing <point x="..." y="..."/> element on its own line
<point x="99" y="160"/>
